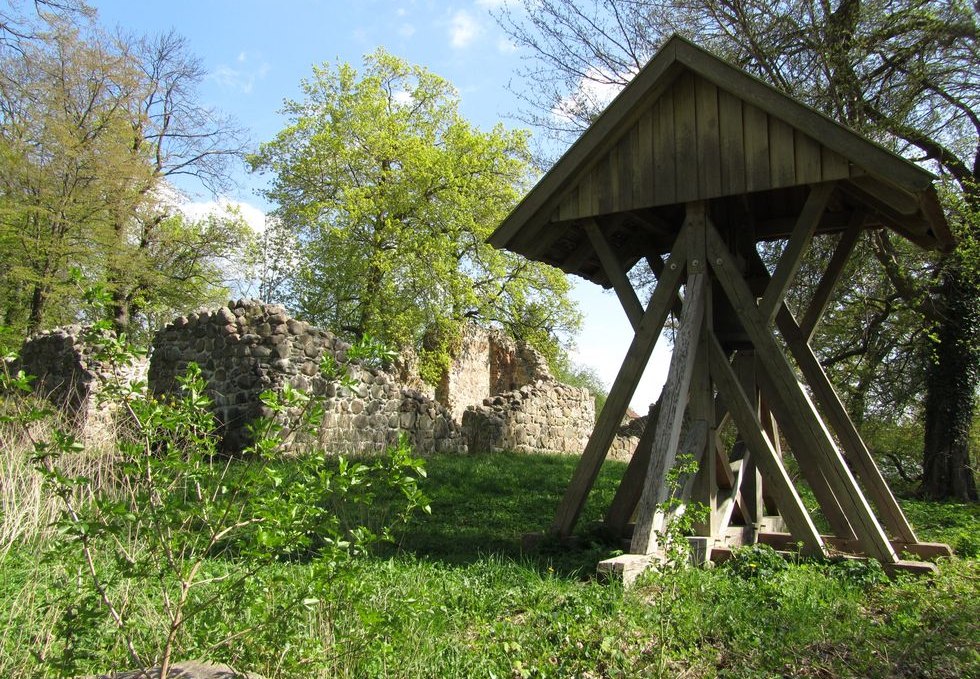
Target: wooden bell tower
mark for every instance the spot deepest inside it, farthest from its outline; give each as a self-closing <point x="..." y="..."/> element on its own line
<point x="688" y="169"/>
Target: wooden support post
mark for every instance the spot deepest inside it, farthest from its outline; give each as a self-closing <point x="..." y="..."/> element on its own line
<point x="631" y="486"/>
<point x="671" y="417"/>
<point x="622" y="390"/>
<point x="675" y="392"/>
<point x="747" y="421"/>
<point x="726" y="507"/>
<point x="830" y="278"/>
<point x="850" y="439"/>
<point x="614" y="271"/>
<point x="751" y="489"/>
<point x="701" y="410"/>
<point x="771" y="430"/>
<point x="794" y="411"/>
<point x="799" y="241"/>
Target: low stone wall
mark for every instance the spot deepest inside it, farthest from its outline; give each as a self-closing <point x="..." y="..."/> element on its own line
<point x="248" y="347"/>
<point x="546" y="416"/>
<point x="628" y="436"/>
<point x="69" y="375"/>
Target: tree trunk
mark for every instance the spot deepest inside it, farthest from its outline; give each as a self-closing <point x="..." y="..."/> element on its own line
<point x="120" y="312"/>
<point x="951" y="385"/>
<point x="39" y="298"/>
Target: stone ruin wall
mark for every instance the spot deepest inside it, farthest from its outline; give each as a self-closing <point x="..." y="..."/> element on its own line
<point x="499" y="394"/>
<point x="545" y="416"/>
<point x="467" y="380"/>
<point x="69" y="374"/>
<point x="248" y="347"/>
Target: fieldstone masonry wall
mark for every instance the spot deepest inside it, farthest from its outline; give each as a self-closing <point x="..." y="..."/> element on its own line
<point x="546" y="416"/>
<point x="69" y="375"/>
<point x="249" y="347"/>
<point x="468" y="379"/>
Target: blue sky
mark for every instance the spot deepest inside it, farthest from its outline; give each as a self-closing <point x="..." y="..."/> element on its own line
<point x="256" y="52"/>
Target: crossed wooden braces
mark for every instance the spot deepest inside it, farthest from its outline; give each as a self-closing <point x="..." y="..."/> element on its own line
<point x="752" y="382"/>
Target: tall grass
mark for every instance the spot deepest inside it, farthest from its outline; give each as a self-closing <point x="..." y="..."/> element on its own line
<point x="27" y="511"/>
<point x="455" y="596"/>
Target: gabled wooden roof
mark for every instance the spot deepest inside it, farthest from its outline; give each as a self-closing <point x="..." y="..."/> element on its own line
<point x="690" y="127"/>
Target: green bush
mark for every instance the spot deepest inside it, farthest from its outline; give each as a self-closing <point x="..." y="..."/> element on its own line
<point x="190" y="529"/>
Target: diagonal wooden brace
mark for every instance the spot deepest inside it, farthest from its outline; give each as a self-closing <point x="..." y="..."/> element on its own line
<point x="794" y="411"/>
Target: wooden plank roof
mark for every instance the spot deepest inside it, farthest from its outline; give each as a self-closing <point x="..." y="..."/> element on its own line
<point x="691" y="126"/>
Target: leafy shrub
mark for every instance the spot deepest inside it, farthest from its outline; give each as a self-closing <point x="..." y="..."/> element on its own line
<point x="756" y="561"/>
<point x="863" y="573"/>
<point x="195" y="527"/>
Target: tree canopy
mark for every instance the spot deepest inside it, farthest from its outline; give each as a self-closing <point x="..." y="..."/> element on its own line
<point x="390" y="195"/>
<point x="92" y="128"/>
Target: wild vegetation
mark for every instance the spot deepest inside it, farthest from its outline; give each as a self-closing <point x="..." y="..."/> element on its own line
<point x="158" y="551"/>
<point x="153" y="548"/>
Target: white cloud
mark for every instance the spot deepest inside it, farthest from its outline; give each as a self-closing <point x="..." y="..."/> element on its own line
<point x="406" y="30"/>
<point x="463" y="29"/>
<point x="490" y="4"/>
<point x="241" y="78"/>
<point x="505" y="45"/>
<point x="223" y="207"/>
<point x="402" y="97"/>
<point x="594" y="92"/>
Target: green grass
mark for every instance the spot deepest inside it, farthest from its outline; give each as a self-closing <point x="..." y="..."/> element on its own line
<point x="457" y="598"/>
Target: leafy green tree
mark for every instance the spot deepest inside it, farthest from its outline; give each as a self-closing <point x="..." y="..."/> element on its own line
<point x="171" y="135"/>
<point x="61" y="131"/>
<point x="92" y="129"/>
<point x="904" y="72"/>
<point x="391" y="194"/>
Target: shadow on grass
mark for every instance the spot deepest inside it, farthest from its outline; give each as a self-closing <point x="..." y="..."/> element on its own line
<point x="482" y="504"/>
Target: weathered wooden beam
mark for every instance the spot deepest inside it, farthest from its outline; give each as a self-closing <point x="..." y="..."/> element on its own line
<point x="747" y="421"/>
<point x="631" y="486"/>
<point x="923" y="550"/>
<point x="828" y="282"/>
<point x="799" y="241"/>
<point x="771" y="430"/>
<point x="753" y="508"/>
<point x="615" y="274"/>
<point x="701" y="413"/>
<point x="855" y="451"/>
<point x="726" y="506"/>
<point x="850" y="439"/>
<point x="637" y="357"/>
<point x="793" y="408"/>
<point x="671" y="416"/>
